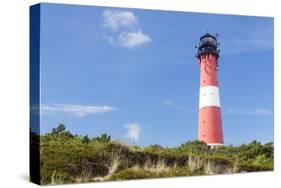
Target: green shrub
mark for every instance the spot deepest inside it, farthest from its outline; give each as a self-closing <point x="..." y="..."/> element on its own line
<point x="68" y="158"/>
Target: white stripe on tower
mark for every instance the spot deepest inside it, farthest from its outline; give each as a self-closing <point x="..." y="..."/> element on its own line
<point x="209" y="96"/>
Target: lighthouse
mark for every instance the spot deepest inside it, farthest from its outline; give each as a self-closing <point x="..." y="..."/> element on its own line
<point x="209" y="118"/>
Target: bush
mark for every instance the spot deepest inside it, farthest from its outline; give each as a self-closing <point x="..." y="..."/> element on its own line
<point x="130" y="174"/>
<point x="67" y="158"/>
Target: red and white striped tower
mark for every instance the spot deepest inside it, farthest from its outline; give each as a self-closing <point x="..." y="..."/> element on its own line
<point x="210" y="123"/>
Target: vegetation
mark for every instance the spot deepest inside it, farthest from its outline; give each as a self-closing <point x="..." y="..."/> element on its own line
<point x="68" y="158"/>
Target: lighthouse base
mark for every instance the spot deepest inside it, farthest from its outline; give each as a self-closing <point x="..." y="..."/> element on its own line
<point x="215" y="145"/>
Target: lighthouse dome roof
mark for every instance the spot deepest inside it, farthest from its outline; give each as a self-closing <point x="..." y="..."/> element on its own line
<point x="208" y="44"/>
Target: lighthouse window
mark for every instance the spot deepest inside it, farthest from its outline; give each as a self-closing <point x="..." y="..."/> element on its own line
<point x="203" y="135"/>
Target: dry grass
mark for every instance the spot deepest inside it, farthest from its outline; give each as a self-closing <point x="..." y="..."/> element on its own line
<point x="41" y="150"/>
<point x="56" y="179"/>
<point x="195" y="163"/>
<point x="85" y="176"/>
<point x="114" y="164"/>
<point x="235" y="168"/>
<point x="209" y="168"/>
<point x="154" y="167"/>
<point x="158" y="167"/>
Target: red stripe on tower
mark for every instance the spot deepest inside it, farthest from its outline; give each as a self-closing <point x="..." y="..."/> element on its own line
<point x="210" y="123"/>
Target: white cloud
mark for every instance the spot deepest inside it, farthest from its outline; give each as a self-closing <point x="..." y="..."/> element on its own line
<point x="133" y="39"/>
<point x="169" y="102"/>
<point x="257" y="112"/>
<point x="262" y="112"/>
<point x="172" y="103"/>
<point x="76" y="110"/>
<point x="110" y="39"/>
<point x="117" y="19"/>
<point x="124" y="29"/>
<point x="235" y="46"/>
<point x="133" y="131"/>
<point x="242" y="37"/>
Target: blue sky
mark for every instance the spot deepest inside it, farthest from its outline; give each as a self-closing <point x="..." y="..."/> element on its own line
<point x="133" y="74"/>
